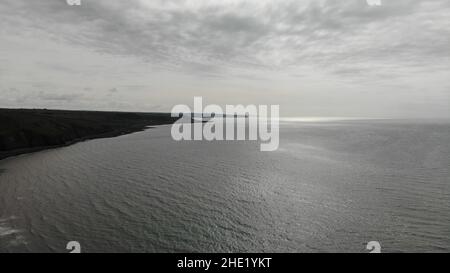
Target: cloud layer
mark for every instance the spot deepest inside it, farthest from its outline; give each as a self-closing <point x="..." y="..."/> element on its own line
<point x="319" y="57"/>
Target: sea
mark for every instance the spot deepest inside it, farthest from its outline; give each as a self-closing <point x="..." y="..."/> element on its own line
<point x="331" y="186"/>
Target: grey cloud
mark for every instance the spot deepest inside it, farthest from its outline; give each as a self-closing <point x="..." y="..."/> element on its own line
<point x="213" y="37"/>
<point x="235" y="43"/>
<point x="58" y="97"/>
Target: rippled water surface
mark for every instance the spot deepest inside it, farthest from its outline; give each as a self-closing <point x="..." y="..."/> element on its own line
<point x="331" y="186"/>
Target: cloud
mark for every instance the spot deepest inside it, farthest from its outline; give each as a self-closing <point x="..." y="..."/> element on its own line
<point x="58" y="97"/>
<point x="231" y="42"/>
<point x="201" y="35"/>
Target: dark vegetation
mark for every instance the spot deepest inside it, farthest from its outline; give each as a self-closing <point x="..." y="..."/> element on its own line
<point x="27" y="130"/>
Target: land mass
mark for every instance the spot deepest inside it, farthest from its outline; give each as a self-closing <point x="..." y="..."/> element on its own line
<point x="30" y="130"/>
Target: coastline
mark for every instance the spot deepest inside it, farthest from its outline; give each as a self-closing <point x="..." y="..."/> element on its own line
<point x="12" y="153"/>
<point x="18" y="135"/>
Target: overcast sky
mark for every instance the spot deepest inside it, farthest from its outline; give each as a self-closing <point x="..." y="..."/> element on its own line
<point x="313" y="58"/>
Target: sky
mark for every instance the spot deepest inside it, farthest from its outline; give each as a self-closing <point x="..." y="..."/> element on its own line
<point x="314" y="58"/>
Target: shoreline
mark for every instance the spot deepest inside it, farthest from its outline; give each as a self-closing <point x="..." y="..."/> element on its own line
<point x="24" y="131"/>
<point x="23" y="151"/>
